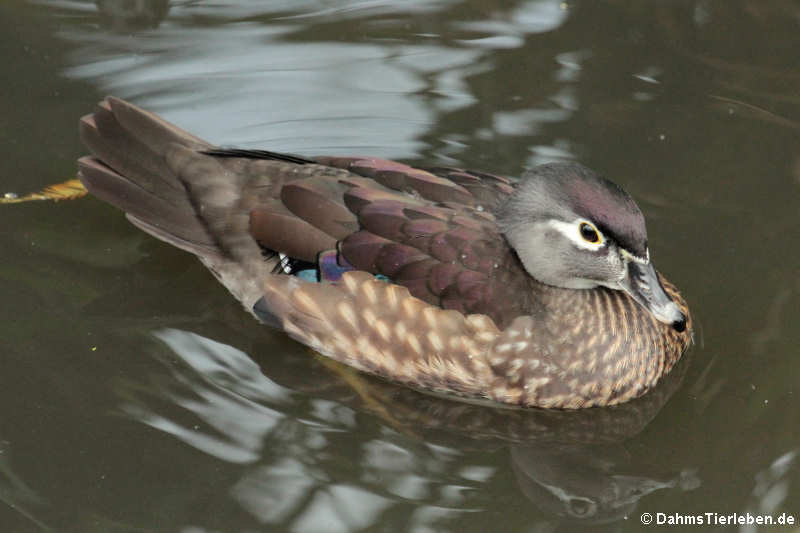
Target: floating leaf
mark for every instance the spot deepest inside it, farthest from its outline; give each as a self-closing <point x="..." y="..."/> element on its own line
<point x="69" y="190"/>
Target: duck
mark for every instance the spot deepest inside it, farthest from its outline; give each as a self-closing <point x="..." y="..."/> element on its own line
<point x="536" y="292"/>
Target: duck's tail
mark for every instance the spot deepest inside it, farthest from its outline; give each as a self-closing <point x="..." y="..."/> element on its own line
<point x="158" y="174"/>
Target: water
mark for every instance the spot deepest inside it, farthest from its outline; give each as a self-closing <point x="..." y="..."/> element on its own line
<point x="136" y="395"/>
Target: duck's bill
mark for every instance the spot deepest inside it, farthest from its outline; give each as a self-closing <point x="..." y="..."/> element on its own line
<point x="643" y="285"/>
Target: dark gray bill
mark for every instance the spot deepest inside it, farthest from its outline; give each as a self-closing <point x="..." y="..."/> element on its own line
<point x="643" y="285"/>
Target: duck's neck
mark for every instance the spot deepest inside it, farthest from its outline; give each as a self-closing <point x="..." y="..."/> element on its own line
<point x="604" y="335"/>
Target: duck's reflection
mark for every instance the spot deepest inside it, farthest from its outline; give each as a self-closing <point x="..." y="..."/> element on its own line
<point x="589" y="484"/>
<point x="302" y="466"/>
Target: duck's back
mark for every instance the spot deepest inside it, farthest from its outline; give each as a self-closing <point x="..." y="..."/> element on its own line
<point x="432" y="231"/>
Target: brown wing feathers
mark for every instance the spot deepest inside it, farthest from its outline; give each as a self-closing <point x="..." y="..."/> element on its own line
<point x="426" y="231"/>
<point x="488" y="190"/>
<point x="386" y="225"/>
<point x="183" y="190"/>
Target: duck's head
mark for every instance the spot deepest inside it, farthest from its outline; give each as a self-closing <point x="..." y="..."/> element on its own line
<point x="574" y="229"/>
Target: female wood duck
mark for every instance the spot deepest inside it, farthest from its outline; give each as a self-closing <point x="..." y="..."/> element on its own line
<point x="539" y="293"/>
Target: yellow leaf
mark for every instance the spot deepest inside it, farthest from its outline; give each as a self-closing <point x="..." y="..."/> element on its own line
<point x="69" y="190"/>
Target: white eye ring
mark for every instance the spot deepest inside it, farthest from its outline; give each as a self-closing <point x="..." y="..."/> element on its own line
<point x="572" y="231"/>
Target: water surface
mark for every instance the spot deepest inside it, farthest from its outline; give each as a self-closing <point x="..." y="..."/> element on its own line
<point x="136" y="395"/>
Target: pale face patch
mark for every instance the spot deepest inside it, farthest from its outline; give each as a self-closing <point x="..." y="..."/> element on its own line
<point x="635" y="258"/>
<point x="626" y="257"/>
<point x="572" y="231"/>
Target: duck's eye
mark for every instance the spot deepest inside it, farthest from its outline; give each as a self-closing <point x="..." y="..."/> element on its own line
<point x="588" y="233"/>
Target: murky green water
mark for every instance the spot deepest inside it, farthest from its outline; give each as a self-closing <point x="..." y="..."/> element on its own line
<point x="135" y="394"/>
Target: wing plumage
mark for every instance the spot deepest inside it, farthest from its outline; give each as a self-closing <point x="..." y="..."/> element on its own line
<point x="458" y="314"/>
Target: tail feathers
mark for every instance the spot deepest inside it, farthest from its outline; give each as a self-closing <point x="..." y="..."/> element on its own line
<point x="129" y="151"/>
<point x="194" y="247"/>
<point x="152" y="130"/>
<point x="159" y="176"/>
<point x="170" y="217"/>
<point x="129" y="168"/>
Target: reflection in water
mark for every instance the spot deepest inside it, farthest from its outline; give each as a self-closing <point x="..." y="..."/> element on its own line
<point x="225" y="390"/>
<point x="15" y="493"/>
<point x="132" y="15"/>
<point x="569" y="464"/>
<point x="588" y="484"/>
<point x="309" y="83"/>
<point x="772" y="487"/>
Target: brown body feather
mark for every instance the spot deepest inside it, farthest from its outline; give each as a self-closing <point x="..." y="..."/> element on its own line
<point x="461" y="314"/>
